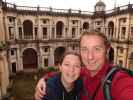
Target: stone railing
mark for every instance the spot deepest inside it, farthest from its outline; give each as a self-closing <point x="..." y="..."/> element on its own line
<point x="44" y="9"/>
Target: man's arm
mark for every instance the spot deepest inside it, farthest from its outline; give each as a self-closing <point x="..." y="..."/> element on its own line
<point x="122" y="86"/>
<point x="40" y="89"/>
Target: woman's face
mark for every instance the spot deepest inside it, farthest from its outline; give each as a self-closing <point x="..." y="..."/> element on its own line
<point x="70" y="68"/>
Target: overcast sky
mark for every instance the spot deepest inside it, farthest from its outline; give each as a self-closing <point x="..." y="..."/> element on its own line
<point x="84" y="5"/>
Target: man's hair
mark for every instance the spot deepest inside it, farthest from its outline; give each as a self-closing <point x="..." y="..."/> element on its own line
<point x="96" y="33"/>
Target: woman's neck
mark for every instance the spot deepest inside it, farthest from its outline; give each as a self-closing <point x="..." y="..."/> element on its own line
<point x="67" y="86"/>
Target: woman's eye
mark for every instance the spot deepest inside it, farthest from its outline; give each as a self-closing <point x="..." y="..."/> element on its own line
<point x="66" y="64"/>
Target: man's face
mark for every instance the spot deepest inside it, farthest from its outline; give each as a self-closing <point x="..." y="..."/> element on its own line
<point x="93" y="52"/>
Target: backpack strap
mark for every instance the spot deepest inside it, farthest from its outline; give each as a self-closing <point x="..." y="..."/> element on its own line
<point x="107" y="81"/>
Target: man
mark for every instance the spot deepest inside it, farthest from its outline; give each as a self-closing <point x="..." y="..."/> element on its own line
<point x="93" y="49"/>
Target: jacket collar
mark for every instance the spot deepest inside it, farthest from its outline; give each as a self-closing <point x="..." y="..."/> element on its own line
<point x="99" y="74"/>
<point x="77" y="85"/>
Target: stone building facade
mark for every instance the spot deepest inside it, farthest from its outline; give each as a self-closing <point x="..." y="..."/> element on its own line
<point x="35" y="37"/>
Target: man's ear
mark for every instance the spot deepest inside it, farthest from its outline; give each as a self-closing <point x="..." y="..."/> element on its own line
<point x="107" y="52"/>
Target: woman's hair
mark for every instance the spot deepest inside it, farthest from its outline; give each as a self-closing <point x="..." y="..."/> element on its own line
<point x="69" y="53"/>
<point x="96" y="33"/>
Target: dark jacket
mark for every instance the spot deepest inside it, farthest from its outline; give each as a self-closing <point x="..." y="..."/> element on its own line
<point x="56" y="91"/>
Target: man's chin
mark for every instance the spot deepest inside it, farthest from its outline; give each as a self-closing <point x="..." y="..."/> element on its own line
<point x="92" y="67"/>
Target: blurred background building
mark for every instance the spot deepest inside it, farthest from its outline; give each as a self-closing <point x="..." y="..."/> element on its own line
<point x="35" y="37"/>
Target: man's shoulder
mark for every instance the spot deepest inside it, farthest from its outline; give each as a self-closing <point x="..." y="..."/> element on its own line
<point x="121" y="74"/>
<point x="117" y="75"/>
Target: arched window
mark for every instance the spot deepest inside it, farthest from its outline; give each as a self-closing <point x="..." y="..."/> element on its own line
<point x="28" y="29"/>
<point x="110" y="29"/>
<point x="59" y="29"/>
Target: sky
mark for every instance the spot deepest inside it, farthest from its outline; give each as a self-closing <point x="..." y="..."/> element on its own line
<point x="84" y="5"/>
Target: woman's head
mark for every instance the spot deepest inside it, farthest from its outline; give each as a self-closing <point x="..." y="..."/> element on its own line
<point x="70" y="65"/>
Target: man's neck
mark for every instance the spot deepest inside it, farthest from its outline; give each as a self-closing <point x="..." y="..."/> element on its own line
<point x="94" y="72"/>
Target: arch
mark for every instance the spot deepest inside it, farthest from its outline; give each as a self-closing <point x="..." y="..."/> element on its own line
<point x="111" y="55"/>
<point x="111" y="28"/>
<point x="85" y="26"/>
<point x="59" y="29"/>
<point x="58" y="53"/>
<point x="29" y="58"/>
<point x="14" y="67"/>
<point x="28" y="29"/>
<point x="131" y="61"/>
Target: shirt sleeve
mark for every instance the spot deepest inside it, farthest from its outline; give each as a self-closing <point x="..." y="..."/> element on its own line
<point x="122" y="86"/>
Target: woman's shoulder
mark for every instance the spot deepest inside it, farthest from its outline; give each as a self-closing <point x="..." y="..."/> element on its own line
<point x="52" y="87"/>
<point x="54" y="78"/>
<point x="52" y="81"/>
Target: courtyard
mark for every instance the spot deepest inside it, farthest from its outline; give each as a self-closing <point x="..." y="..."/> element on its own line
<point x="23" y="85"/>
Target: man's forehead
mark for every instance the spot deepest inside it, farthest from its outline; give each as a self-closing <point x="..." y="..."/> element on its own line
<point x="92" y="36"/>
<point x="94" y="46"/>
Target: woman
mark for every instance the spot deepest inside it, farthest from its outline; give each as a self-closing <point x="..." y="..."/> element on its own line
<point x="66" y="85"/>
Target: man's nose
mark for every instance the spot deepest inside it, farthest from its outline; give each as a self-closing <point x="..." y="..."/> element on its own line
<point x="90" y="54"/>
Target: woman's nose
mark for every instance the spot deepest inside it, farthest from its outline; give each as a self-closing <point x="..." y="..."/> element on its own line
<point x="72" y="68"/>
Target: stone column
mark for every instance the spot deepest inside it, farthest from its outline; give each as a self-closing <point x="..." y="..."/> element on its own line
<point x="19" y="57"/>
<point x="51" y="57"/>
<point x="39" y="57"/>
<point x="16" y="35"/>
<point x="4" y="74"/>
<point x="39" y="29"/>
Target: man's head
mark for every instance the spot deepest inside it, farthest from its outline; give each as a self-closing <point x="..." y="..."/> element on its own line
<point x="93" y="49"/>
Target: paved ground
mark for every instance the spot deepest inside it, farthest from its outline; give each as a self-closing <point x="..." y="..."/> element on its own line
<point x="24" y="86"/>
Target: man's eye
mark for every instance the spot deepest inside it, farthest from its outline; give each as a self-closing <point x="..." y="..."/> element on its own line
<point x="98" y="49"/>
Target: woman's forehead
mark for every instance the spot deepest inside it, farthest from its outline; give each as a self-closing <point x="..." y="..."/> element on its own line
<point x="71" y="56"/>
